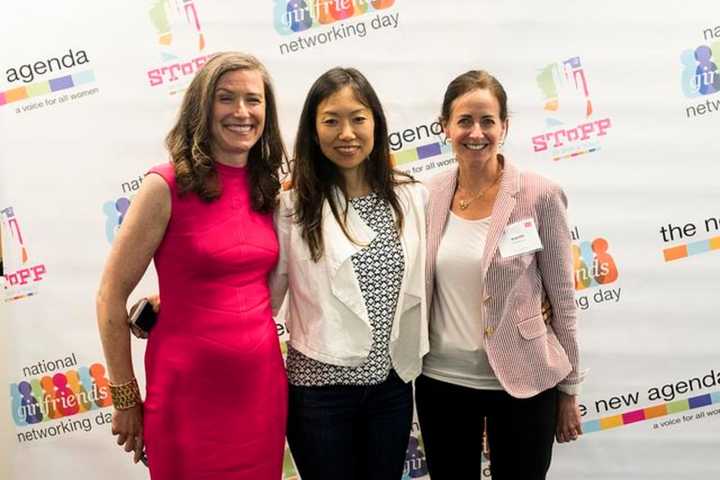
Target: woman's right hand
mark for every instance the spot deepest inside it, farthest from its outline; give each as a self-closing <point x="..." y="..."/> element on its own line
<point x="154" y="301"/>
<point x="128" y="426"/>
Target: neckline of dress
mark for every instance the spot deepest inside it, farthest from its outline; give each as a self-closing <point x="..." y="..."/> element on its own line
<point x="367" y="196"/>
<point x="227" y="169"/>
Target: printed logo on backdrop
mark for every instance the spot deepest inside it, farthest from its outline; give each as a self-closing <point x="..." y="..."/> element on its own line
<point x="414" y="150"/>
<point x="681" y="401"/>
<point x="180" y="43"/>
<point x="321" y="22"/>
<point x="596" y="271"/>
<point x="57" y="397"/>
<point x="289" y="470"/>
<point x="421" y="148"/>
<point x="48" y="81"/>
<point x="700" y="76"/>
<point x="572" y="125"/>
<point x="115" y="209"/>
<point x="683" y="236"/>
<point x="415" y="462"/>
<point x="22" y="271"/>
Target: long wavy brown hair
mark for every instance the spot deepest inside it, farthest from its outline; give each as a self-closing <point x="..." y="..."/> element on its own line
<point x="315" y="177"/>
<point x="189" y="141"/>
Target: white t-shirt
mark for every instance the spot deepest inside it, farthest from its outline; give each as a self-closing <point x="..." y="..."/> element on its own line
<point x="457" y="354"/>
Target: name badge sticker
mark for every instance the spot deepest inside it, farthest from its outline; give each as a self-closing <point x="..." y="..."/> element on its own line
<point x="520" y="237"/>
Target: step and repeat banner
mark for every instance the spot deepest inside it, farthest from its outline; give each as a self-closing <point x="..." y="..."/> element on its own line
<point x="617" y="101"/>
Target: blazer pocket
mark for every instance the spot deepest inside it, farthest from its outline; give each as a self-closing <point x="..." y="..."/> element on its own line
<point x="533" y="327"/>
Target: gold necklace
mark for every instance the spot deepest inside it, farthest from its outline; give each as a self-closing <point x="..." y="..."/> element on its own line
<point x="465" y="203"/>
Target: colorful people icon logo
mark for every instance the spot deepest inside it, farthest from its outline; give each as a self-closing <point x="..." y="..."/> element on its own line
<point x="115" y="211"/>
<point x="582" y="272"/>
<point x="67" y="402"/>
<point x="593" y="264"/>
<point x="415" y="464"/>
<point x="706" y="71"/>
<point x="699" y="75"/>
<point x="61" y="395"/>
<point x="294" y="16"/>
<point x="48" y="396"/>
<point x="73" y="379"/>
<point x="28" y="409"/>
<point x="607" y="271"/>
<point x="297" y="15"/>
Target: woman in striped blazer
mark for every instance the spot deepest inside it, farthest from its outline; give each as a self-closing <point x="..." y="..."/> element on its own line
<point x="498" y="244"/>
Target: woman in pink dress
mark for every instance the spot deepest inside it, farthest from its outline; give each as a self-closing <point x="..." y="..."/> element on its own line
<point x="216" y="400"/>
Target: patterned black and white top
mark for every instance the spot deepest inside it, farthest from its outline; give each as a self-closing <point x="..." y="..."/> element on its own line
<point x="379" y="268"/>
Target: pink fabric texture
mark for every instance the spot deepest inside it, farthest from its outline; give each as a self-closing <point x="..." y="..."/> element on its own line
<point x="216" y="401"/>
<point x="526" y="355"/>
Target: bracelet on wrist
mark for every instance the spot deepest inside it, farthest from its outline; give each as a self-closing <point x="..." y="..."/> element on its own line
<point x="125" y="395"/>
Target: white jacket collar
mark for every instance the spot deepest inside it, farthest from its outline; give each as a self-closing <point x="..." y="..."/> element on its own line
<point x="337" y="246"/>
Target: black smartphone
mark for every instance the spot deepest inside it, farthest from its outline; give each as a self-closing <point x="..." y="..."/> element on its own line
<point x="144" y="317"/>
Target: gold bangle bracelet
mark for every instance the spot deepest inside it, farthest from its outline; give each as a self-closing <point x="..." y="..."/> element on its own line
<point x="125" y="395"/>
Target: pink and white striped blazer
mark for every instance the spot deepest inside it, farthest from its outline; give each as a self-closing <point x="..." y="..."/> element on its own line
<point x="527" y="355"/>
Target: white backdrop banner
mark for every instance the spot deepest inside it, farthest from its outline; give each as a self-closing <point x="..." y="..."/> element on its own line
<point x="617" y="101"/>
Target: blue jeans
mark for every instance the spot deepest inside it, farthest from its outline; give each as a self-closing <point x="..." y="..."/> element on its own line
<point x="350" y="432"/>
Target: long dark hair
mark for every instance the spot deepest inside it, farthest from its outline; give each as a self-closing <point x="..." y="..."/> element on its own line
<point x="189" y="141"/>
<point x="314" y="176"/>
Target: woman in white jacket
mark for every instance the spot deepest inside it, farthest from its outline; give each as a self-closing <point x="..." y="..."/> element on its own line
<point x="352" y="262"/>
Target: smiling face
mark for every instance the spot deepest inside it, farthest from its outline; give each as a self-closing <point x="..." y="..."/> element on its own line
<point x="238" y="115"/>
<point x="475" y="127"/>
<point x="345" y="130"/>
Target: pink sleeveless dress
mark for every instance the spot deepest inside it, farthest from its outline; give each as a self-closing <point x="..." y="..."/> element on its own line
<point x="216" y="401"/>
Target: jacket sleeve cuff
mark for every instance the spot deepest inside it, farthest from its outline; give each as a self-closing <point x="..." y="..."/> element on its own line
<point x="570" y="389"/>
<point x="574" y="387"/>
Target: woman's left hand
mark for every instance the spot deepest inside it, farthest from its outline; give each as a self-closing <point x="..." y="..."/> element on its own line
<point x="568" y="418"/>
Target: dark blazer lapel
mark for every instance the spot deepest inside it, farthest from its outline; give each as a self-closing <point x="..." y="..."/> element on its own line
<point x="502" y="209"/>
